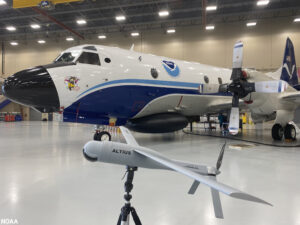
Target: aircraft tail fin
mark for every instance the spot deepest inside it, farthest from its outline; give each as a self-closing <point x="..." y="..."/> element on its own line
<point x="289" y="71"/>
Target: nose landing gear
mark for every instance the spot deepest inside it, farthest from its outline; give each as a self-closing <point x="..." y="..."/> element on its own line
<point x="101" y="134"/>
<point x="289" y="132"/>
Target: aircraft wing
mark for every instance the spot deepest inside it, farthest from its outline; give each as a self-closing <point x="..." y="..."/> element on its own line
<point x="188" y="104"/>
<point x="232" y="192"/>
<point x="293" y="97"/>
<point x="128" y="136"/>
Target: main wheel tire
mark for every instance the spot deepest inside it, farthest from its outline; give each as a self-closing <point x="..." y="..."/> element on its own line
<point x="290" y="132"/>
<point x="277" y="132"/>
<point x="102" y="136"/>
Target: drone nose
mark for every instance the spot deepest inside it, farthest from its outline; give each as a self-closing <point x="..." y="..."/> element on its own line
<point x="32" y="87"/>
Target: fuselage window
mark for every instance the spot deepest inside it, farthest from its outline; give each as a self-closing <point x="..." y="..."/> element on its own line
<point x="220" y="80"/>
<point x="107" y="60"/>
<point x="206" y="79"/>
<point x="89" y="58"/>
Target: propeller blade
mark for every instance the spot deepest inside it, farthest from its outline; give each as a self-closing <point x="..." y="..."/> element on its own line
<point x="237" y="61"/>
<point x="220" y="159"/>
<point x="194" y="187"/>
<point x="272" y="86"/>
<point x="234" y="121"/>
<point x="238" y="55"/>
<point x="217" y="202"/>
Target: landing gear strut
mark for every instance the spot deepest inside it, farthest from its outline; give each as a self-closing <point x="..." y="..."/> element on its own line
<point x="289" y="132"/>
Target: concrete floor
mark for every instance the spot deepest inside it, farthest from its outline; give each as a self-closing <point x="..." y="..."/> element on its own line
<point x="46" y="181"/>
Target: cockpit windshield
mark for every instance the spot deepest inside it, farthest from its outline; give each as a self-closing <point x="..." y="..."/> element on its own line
<point x="66" y="57"/>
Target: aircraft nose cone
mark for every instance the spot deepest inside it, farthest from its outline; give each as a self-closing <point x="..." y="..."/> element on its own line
<point x="32" y="87"/>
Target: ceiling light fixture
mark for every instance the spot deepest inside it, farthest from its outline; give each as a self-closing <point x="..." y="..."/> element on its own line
<point x="102" y="36"/>
<point x="163" y="13"/>
<point x="2" y="2"/>
<point x="14" y="43"/>
<point x="297" y="20"/>
<point x="171" y="31"/>
<point x="120" y="18"/>
<point x="210" y="27"/>
<point x="41" y="41"/>
<point x="211" y="8"/>
<point x="35" y="26"/>
<point x="135" y="34"/>
<point x="69" y="39"/>
<point x="11" y="28"/>
<point x="81" y="22"/>
<point x="251" y="24"/>
<point x="262" y="2"/>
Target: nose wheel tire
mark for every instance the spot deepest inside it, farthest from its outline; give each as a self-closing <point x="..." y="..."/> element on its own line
<point x="102" y="136"/>
<point x="290" y="132"/>
<point x="277" y="132"/>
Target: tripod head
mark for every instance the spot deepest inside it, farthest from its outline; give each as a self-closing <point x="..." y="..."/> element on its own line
<point x="128" y="186"/>
<point x="127" y="208"/>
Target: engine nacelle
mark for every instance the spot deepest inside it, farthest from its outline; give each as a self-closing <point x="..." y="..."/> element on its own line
<point x="258" y="118"/>
<point x="158" y="123"/>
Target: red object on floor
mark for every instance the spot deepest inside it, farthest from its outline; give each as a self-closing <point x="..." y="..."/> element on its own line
<point x="12" y="118"/>
<point x="6" y="118"/>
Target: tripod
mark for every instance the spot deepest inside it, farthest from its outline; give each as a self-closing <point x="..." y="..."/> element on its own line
<point x="127" y="208"/>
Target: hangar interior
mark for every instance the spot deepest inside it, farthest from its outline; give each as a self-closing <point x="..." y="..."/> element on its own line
<point x="45" y="178"/>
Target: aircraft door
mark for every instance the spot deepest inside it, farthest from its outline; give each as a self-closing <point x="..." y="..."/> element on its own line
<point x="89" y="69"/>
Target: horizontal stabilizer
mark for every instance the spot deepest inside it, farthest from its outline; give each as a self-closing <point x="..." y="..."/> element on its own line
<point x="292" y="97"/>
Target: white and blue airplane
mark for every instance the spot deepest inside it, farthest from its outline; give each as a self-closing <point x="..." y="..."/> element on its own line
<point x="101" y="85"/>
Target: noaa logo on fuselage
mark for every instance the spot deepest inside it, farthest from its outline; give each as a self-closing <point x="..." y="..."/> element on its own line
<point x="171" y="68"/>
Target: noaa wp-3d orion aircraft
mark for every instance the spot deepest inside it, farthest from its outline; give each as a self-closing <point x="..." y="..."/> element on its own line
<point x="147" y="93"/>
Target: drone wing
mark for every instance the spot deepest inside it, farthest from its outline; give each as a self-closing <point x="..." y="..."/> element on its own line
<point x="128" y="136"/>
<point x="232" y="192"/>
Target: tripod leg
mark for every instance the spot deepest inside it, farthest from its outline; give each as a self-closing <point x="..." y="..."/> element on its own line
<point x="135" y="217"/>
<point x="119" y="220"/>
<point x="124" y="216"/>
<point x="125" y="222"/>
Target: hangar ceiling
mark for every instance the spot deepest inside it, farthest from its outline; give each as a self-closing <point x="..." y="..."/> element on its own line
<point x="140" y="15"/>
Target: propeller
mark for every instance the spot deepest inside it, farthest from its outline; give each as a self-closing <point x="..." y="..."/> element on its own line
<point x="220" y="158"/>
<point x="240" y="87"/>
<point x="214" y="194"/>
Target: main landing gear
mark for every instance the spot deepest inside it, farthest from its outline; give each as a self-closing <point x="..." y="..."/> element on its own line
<point x="289" y="132"/>
<point x="101" y="134"/>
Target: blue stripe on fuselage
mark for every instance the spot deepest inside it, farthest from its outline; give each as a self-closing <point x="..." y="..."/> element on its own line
<point x="141" y="81"/>
<point x="122" y="102"/>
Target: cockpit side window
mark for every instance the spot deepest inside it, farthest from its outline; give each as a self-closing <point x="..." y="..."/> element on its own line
<point x="89" y="58"/>
<point x="65" y="57"/>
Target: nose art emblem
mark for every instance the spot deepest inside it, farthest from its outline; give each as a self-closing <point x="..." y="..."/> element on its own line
<point x="72" y="83"/>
